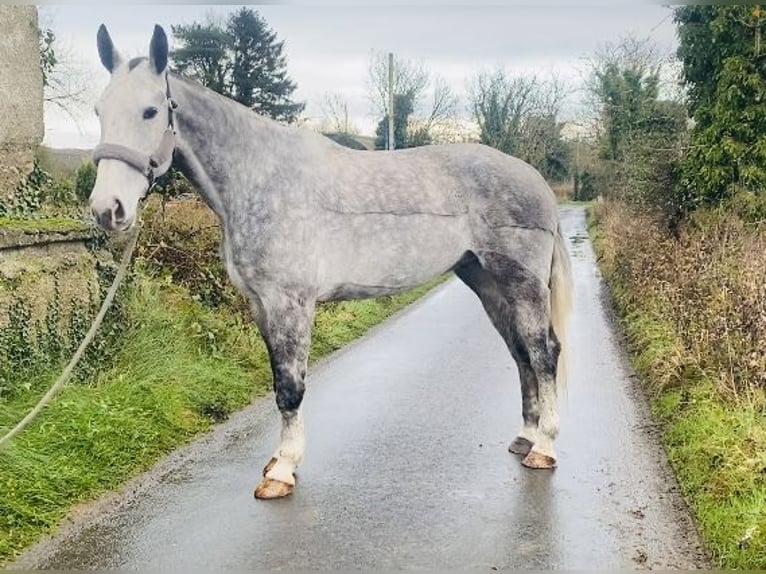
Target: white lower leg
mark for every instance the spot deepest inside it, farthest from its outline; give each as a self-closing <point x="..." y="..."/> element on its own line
<point x="548" y="427"/>
<point x="291" y="448"/>
<point x="529" y="432"/>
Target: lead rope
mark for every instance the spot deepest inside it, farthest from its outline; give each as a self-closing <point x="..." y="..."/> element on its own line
<point x="127" y="255"/>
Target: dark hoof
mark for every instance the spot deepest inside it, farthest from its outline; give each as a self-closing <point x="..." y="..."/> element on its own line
<point x="270" y="488"/>
<point x="539" y="460"/>
<point x="269" y="465"/>
<point x="520" y="445"/>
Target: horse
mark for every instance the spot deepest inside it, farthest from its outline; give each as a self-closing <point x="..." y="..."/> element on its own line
<point x="305" y="220"/>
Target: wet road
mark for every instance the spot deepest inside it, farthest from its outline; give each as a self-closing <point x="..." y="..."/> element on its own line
<point x="407" y="466"/>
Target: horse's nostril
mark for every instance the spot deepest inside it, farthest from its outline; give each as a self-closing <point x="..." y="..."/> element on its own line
<point x="119" y="211"/>
<point x="101" y="218"/>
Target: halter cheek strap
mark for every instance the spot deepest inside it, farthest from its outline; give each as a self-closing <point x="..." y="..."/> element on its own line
<point x="144" y="163"/>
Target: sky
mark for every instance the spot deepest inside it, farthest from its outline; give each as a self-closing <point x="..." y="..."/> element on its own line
<point x="328" y="47"/>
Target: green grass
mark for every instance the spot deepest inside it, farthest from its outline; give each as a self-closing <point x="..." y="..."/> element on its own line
<point x="717" y="447"/>
<point x="42" y="225"/>
<point x="181" y="368"/>
<point x="714" y="449"/>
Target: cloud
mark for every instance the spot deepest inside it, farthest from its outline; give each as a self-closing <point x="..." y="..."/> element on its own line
<point x="328" y="46"/>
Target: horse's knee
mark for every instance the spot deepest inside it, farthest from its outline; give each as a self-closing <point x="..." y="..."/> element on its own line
<point x="289" y="395"/>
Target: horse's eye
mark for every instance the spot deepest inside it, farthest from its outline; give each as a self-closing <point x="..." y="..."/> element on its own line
<point x="149" y="113"/>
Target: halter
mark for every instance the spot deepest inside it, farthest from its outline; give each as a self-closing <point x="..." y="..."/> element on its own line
<point x="146" y="164"/>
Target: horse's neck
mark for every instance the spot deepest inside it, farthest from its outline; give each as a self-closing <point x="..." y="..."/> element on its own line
<point x="214" y="134"/>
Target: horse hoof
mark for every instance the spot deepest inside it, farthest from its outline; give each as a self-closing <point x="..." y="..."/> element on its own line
<point x="520" y="445"/>
<point x="270" y="488"/>
<point x="269" y="465"/>
<point x="538" y="460"/>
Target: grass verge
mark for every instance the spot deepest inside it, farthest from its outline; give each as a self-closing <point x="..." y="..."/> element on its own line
<point x="181" y="367"/>
<point x="713" y="420"/>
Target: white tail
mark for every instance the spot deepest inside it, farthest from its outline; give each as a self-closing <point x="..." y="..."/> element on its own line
<point x="562" y="298"/>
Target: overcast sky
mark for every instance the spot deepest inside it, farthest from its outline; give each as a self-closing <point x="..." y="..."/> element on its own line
<point x="328" y="47"/>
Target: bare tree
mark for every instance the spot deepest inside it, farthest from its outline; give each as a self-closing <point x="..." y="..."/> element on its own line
<point x="444" y="103"/>
<point x="432" y="101"/>
<point x="65" y="78"/>
<point x="630" y="56"/>
<point x="519" y="115"/>
<point x="335" y="109"/>
<point x="503" y="105"/>
<point x="410" y="79"/>
<point x="638" y="119"/>
<point x="541" y="129"/>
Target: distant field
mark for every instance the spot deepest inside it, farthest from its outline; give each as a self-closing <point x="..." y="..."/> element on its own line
<point x="62" y="162"/>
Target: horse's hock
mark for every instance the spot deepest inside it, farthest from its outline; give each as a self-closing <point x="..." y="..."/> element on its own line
<point x="21" y="94"/>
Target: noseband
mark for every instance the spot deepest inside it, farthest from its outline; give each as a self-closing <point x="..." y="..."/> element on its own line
<point x="144" y="163"/>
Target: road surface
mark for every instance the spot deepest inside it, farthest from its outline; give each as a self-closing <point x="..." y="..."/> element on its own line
<point x="407" y="466"/>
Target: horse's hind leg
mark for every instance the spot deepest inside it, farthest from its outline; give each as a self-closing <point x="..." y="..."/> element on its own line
<point x="284" y="319"/>
<point x="527" y="436"/>
<point x="536" y="347"/>
<point x="500" y="312"/>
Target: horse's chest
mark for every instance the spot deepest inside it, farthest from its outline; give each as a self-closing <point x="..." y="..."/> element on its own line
<point x="230" y="262"/>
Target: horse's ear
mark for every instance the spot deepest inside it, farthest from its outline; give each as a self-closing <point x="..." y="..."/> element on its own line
<point x="158" y="50"/>
<point x="110" y="58"/>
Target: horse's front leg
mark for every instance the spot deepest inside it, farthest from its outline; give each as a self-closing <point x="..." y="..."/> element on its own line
<point x="285" y="318"/>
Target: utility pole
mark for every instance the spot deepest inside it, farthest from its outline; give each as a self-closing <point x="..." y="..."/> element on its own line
<point x="391" y="143"/>
<point x="345" y="117"/>
<point x="577" y="168"/>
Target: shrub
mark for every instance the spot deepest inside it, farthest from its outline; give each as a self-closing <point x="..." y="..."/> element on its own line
<point x="181" y="241"/>
<point x="84" y="180"/>
<point x="29" y="195"/>
<point x="61" y="193"/>
<point x="173" y="185"/>
<point x="709" y="286"/>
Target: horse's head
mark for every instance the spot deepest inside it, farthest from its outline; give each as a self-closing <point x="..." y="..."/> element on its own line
<point x="135" y="112"/>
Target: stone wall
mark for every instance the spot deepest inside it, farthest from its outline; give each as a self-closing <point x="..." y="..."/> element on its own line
<point x="21" y="94"/>
<point x="40" y="264"/>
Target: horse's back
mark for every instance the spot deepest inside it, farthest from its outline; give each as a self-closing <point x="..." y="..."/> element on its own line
<point x="403" y="182"/>
<point x="443" y="180"/>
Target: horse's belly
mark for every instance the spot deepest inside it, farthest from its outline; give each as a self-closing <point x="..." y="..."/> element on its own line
<point x="371" y="255"/>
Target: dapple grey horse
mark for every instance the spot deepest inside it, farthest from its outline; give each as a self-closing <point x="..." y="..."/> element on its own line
<point x="306" y="220"/>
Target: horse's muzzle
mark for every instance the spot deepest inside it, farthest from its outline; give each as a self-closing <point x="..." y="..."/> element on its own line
<point x="112" y="217"/>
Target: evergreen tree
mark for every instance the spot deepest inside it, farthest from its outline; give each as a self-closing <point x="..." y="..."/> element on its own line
<point x="629" y="96"/>
<point x="259" y="68"/>
<point x="203" y="55"/>
<point x="243" y="61"/>
<point x="725" y="73"/>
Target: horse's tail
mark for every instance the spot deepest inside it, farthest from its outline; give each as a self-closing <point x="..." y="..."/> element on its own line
<point x="562" y="297"/>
